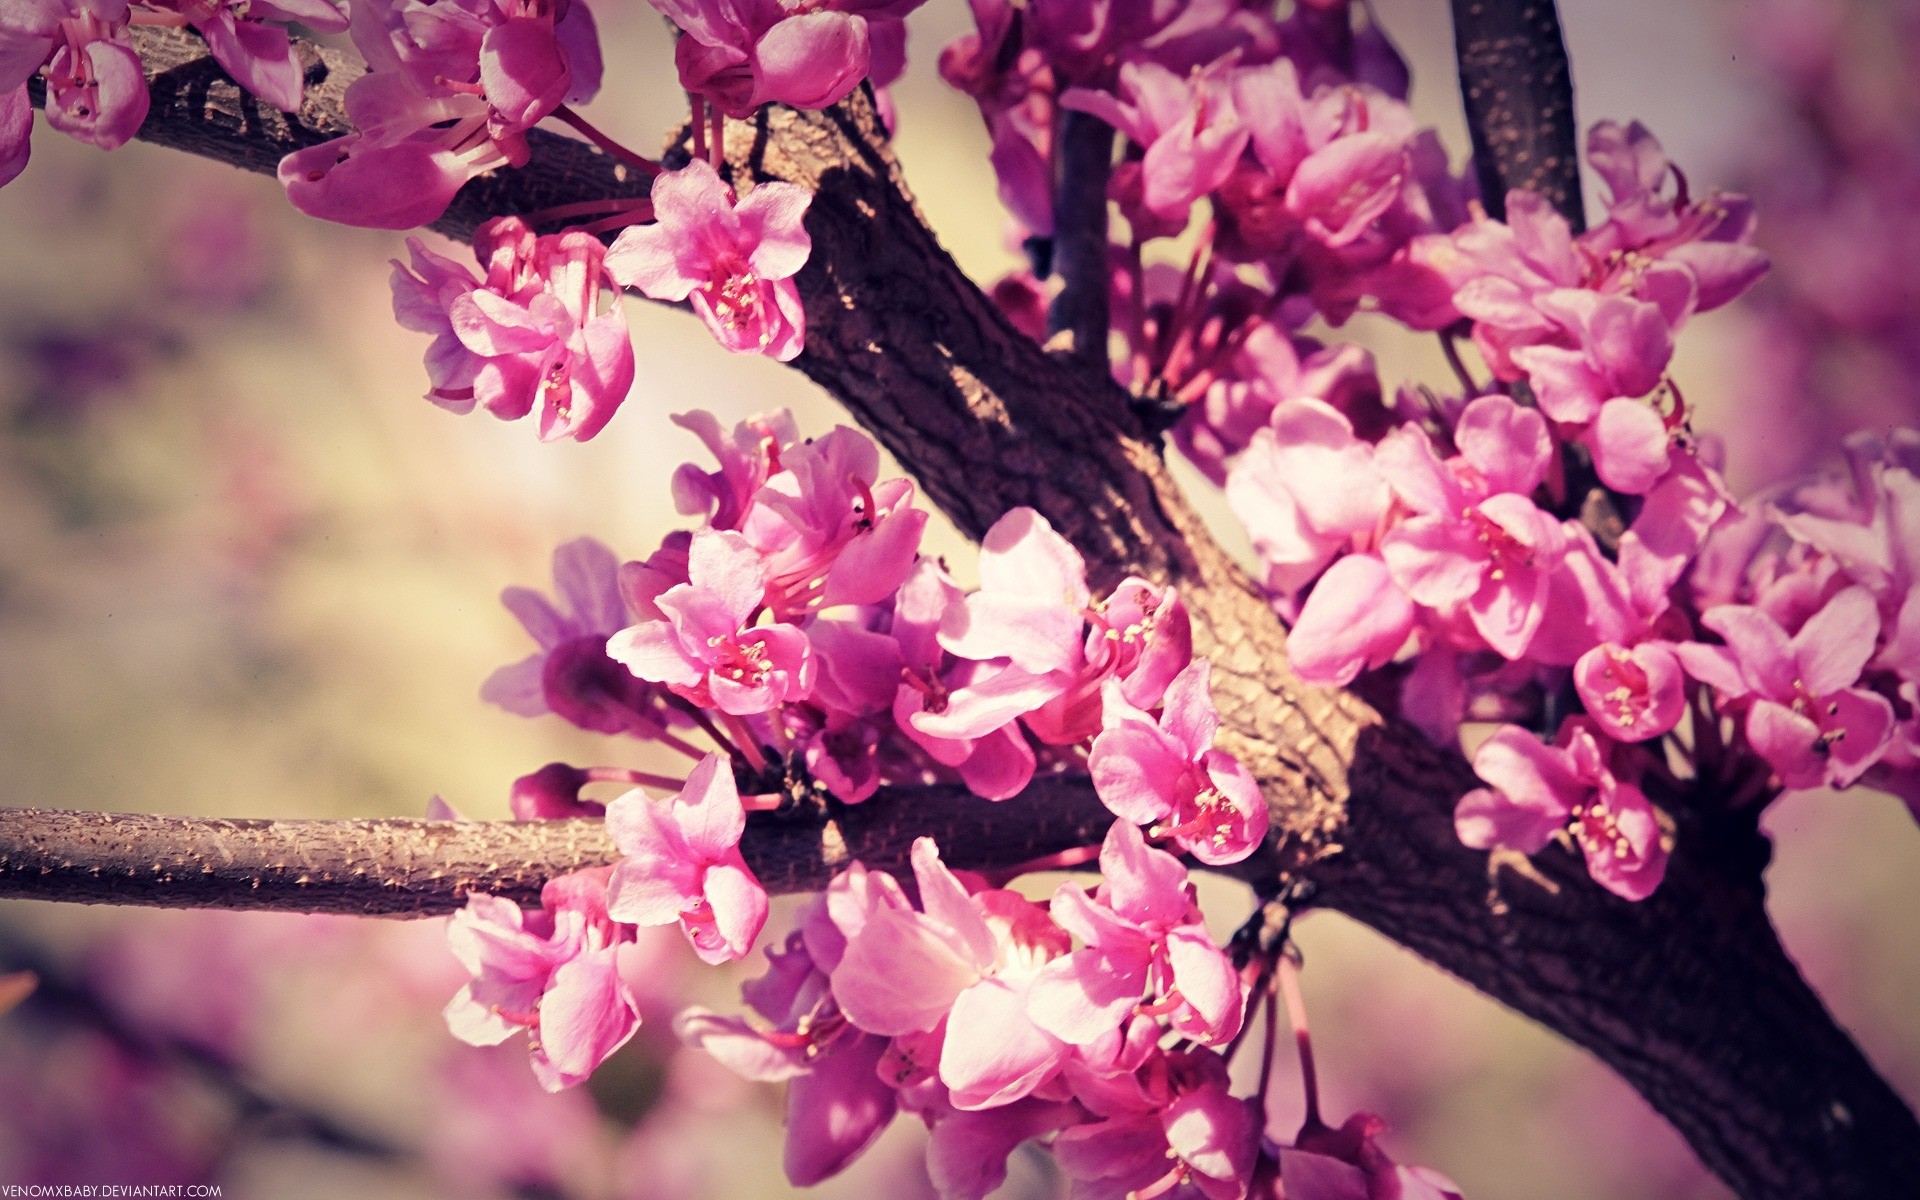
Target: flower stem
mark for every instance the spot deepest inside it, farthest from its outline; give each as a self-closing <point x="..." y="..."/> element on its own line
<point x="566" y="116"/>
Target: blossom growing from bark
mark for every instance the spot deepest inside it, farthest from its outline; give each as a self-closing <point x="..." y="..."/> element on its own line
<point x="1146" y="947"/>
<point x="734" y="260"/>
<point x="965" y="961"/>
<point x="1805" y="715"/>
<point x="1539" y="792"/>
<point x="1165" y="774"/>
<point x="682" y="864"/>
<point x="553" y="972"/>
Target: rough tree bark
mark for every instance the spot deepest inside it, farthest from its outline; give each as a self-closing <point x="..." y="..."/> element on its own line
<point x="1688" y="995"/>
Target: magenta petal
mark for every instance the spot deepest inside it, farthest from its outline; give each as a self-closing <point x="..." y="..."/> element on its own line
<point x="1630" y="446"/>
<point x="652" y="652"/>
<point x="1000" y="766"/>
<point x="739" y="907"/>
<point x="1435" y="559"/>
<point x="1833" y="647"/>
<point x="967" y="1152"/>
<point x="811" y="61"/>
<point x="259" y="57"/>
<point x="1867" y="721"/>
<point x="874" y="564"/>
<point x="993" y="1054"/>
<point x="770" y="222"/>
<point x="1086" y="995"/>
<point x="375" y="187"/>
<point x="899" y="975"/>
<point x="1509" y="445"/>
<point x="1760" y="646"/>
<point x="1355" y="618"/>
<point x="1135" y="769"/>
<point x="16" y="133"/>
<point x="1787" y="741"/>
<point x="586" y="1014"/>
<point x="523" y="70"/>
<point x="836" y="1110"/>
<point x="1143" y="884"/>
<point x="1207" y="982"/>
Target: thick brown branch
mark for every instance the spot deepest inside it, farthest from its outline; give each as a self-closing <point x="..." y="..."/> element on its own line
<point x="410" y="868"/>
<point x="1518" y="90"/>
<point x="1688" y="995"/>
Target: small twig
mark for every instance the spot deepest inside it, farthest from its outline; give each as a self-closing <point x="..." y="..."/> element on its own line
<point x="1083" y="307"/>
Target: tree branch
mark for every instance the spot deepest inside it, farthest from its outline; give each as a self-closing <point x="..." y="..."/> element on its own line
<point x="1083" y="307"/>
<point x="1518" y="91"/>
<point x="196" y="107"/>
<point x="414" y="868"/>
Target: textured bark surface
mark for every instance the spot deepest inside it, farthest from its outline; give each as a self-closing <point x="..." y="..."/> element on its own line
<point x="1518" y="91"/>
<point x="1688" y="995"/>
<point x="414" y="868"/>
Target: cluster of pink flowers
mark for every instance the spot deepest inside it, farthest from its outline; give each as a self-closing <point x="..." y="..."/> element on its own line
<point x="96" y="89"/>
<point x="531" y="332"/>
<point x="545" y="326"/>
<point x="1451" y="544"/>
<point x="452" y="88"/>
<point x="800" y="631"/>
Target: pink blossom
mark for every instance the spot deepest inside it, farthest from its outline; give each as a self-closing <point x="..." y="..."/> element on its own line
<point x="530" y="332"/>
<point x="1192" y="135"/>
<point x="570" y="674"/>
<point x="96" y="90"/>
<point x="553" y="973"/>
<point x="1305" y="489"/>
<point x="1476" y="542"/>
<point x="1632" y="692"/>
<point x="1196" y="1133"/>
<point x="735" y="260"/>
<point x="1166" y="774"/>
<point x="748" y="457"/>
<point x="260" y="57"/>
<point x="682" y="863"/>
<point x="741" y="54"/>
<point x="1804" y="714"/>
<point x="520" y="58"/>
<point x="837" y="1104"/>
<point x="1031" y="603"/>
<point x="707" y="648"/>
<point x="1147" y="947"/>
<point x="828" y="529"/>
<point x="1540" y="791"/>
<point x="964" y="714"/>
<point x="965" y="960"/>
<point x="1140" y="637"/>
<point x="1348" y="1164"/>
<point x="453" y="88"/>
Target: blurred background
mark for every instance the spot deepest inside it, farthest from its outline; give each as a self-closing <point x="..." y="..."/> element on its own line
<point x="245" y="570"/>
